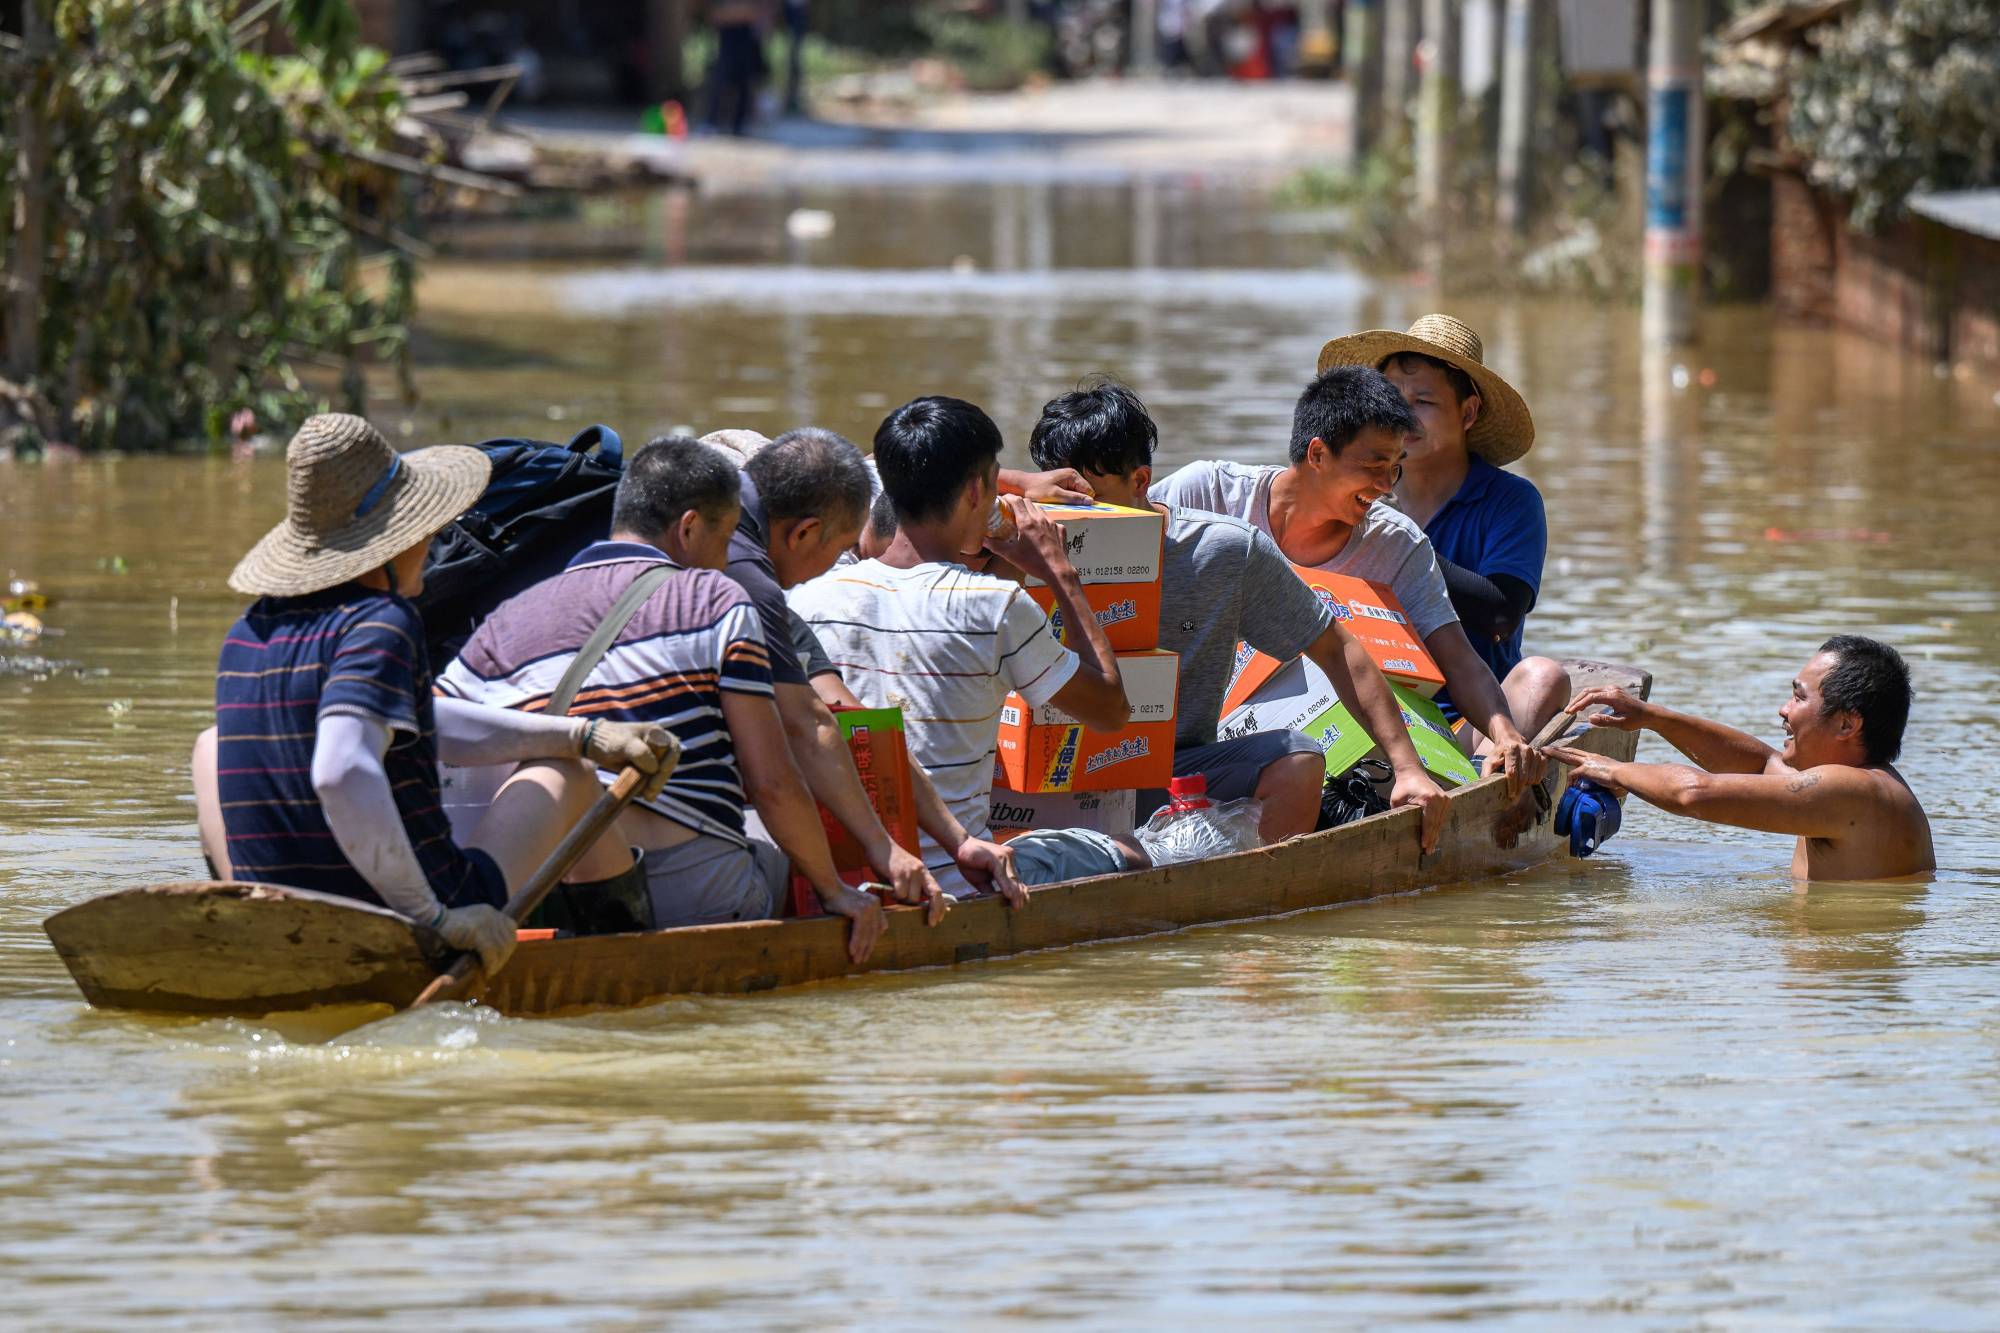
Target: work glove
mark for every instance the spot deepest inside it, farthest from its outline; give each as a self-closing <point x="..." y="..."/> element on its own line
<point x="646" y="746"/>
<point x="486" y="931"/>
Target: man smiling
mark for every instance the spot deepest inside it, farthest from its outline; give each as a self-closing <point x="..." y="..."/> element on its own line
<point x="1832" y="784"/>
<point x="1348" y="432"/>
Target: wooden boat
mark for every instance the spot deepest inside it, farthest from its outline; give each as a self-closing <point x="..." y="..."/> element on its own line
<point x="213" y="948"/>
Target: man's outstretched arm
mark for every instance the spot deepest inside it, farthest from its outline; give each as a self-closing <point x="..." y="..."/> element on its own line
<point x="1711" y="745"/>
<point x="1825" y="802"/>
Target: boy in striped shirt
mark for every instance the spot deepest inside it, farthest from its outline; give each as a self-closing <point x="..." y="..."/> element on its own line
<point x="915" y="628"/>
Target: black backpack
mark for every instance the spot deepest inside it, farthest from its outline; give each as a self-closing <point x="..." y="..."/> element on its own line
<point x="544" y="503"/>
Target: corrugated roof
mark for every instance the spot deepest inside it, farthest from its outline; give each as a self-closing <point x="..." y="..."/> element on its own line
<point x="1781" y="18"/>
<point x="1975" y="211"/>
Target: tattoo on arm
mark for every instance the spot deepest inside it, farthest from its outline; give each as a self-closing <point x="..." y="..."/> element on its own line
<point x="1803" y="783"/>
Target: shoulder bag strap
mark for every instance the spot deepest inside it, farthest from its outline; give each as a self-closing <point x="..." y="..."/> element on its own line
<point x="599" y="643"/>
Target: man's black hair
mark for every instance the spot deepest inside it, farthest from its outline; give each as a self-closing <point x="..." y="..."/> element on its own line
<point x="1344" y="401"/>
<point x="1871" y="681"/>
<point x="1460" y="382"/>
<point x="882" y="523"/>
<point x="1100" y="428"/>
<point x="668" y="477"/>
<point x="929" y="450"/>
<point x="812" y="472"/>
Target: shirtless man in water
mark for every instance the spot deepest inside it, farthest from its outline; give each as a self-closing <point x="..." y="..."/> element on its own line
<point x="1832" y="784"/>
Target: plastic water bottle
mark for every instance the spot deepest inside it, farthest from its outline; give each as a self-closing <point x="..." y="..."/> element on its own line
<point x="1190" y="827"/>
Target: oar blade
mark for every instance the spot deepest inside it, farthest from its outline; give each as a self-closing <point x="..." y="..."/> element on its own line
<point x="205" y="947"/>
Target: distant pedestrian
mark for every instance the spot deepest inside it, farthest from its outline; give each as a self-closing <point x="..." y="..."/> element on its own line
<point x="740" y="65"/>
<point x="798" y="20"/>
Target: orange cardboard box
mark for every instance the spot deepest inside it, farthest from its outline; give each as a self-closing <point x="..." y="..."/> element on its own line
<point x="1128" y="613"/>
<point x="1044" y="749"/>
<point x="1117" y="554"/>
<point x="1372" y="615"/>
<point x="876" y="739"/>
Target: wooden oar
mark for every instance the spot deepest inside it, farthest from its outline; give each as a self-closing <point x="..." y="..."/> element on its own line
<point x="465" y="976"/>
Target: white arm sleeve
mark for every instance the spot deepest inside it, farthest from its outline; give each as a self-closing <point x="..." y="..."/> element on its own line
<point x="470" y="735"/>
<point x="354" y="792"/>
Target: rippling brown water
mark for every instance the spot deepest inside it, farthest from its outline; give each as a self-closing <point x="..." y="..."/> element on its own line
<point x="1661" y="1088"/>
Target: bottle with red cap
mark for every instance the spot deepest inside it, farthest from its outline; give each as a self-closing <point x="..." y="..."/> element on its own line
<point x="1190" y="827"/>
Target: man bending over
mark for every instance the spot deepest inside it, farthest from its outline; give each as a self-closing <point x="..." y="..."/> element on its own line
<point x="1221" y="581"/>
<point x="1833" y="783"/>
<point x="695" y="658"/>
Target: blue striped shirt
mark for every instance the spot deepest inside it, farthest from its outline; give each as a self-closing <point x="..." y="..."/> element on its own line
<point x="291" y="661"/>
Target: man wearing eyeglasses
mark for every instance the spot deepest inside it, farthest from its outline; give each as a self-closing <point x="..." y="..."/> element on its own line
<point x="1348" y="433"/>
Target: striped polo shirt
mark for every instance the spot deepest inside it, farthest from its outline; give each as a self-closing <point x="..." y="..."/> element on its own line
<point x="696" y="637"/>
<point x="291" y="661"/>
<point x="945" y="645"/>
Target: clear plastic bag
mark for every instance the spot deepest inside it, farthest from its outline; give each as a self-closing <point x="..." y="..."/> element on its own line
<point x="1172" y="836"/>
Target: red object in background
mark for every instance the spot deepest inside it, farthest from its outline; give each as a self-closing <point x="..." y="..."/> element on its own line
<point x="881" y="753"/>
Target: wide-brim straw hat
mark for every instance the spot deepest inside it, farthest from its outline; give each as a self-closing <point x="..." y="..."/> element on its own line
<point x="352" y="504"/>
<point x="1504" y="430"/>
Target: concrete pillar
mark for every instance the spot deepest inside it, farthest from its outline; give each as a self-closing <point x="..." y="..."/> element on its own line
<point x="1437" y="111"/>
<point x="1675" y="147"/>
<point x="1514" y="201"/>
<point x="1142" y="54"/>
<point x="1361" y="53"/>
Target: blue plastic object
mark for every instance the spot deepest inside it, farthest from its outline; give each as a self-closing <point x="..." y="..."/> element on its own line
<point x="1588" y="816"/>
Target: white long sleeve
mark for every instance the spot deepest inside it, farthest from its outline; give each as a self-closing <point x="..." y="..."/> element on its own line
<point x="353" y="789"/>
<point x="470" y="735"/>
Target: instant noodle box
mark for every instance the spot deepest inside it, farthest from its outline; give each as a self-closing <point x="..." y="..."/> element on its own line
<point x="1117" y="555"/>
<point x="1046" y="750"/>
<point x="1372" y="615"/>
<point x="876" y="739"/>
<point x="1012" y="813"/>
<point x="1301" y="698"/>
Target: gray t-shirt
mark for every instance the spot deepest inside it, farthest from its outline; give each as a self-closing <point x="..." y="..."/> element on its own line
<point x="806" y="644"/>
<point x="1387" y="548"/>
<point x="1221" y="581"/>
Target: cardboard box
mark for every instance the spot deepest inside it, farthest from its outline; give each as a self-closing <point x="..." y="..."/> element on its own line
<point x="1372" y="615"/>
<point x="1128" y="613"/>
<point x="1299" y="697"/>
<point x="1117" y="554"/>
<point x="1110" y="543"/>
<point x="876" y="739"/>
<point x="1044" y="749"/>
<point x="1013" y="813"/>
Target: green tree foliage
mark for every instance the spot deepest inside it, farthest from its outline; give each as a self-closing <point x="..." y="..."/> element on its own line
<point x="192" y="224"/>
<point x="1901" y="99"/>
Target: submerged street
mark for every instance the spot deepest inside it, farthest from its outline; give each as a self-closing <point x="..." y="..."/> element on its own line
<point x="1662" y="1087"/>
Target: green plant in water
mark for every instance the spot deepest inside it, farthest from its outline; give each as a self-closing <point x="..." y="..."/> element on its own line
<point x="1901" y="99"/>
<point x="192" y="225"/>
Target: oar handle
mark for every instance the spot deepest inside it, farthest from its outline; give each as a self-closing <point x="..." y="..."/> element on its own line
<point x="1556" y="727"/>
<point x="464" y="975"/>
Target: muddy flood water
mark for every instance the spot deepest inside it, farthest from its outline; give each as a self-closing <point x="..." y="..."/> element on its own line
<point x="1662" y="1088"/>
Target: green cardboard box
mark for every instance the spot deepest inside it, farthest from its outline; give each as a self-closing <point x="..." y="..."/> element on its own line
<point x="1301" y="698"/>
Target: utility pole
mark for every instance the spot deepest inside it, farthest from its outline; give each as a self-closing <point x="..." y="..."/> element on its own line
<point x="1675" y="147"/>
<point x="1514" y="201"/>
<point x="1361" y="52"/>
<point x="1142" y="51"/>
<point x="1437" y="111"/>
<point x="1402" y="28"/>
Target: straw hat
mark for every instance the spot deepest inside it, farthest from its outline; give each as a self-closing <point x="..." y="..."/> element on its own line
<point x="352" y="503"/>
<point x="1503" y="432"/>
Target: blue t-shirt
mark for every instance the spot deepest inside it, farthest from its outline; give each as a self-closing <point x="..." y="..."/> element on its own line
<point x="1494" y="525"/>
<point x="291" y="661"/>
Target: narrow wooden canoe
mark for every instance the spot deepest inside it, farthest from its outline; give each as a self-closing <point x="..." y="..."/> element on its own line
<point x="211" y="948"/>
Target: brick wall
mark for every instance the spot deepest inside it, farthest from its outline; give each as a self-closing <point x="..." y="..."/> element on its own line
<point x="1925" y="286"/>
